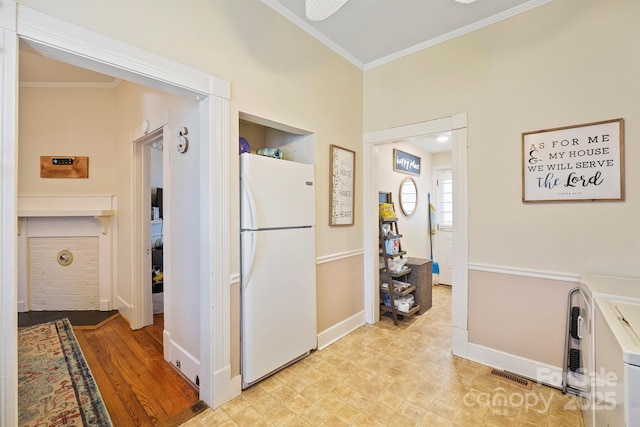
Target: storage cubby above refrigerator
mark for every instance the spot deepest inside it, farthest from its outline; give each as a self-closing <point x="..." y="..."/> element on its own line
<point x="296" y="144"/>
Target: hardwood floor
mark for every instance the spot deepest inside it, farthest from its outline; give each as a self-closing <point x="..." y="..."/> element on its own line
<point x="138" y="386"/>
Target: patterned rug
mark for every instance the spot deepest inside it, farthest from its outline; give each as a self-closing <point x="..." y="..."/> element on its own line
<point x="55" y="386"/>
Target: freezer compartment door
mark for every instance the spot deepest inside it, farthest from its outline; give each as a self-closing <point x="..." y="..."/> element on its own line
<point x="278" y="299"/>
<point x="275" y="193"/>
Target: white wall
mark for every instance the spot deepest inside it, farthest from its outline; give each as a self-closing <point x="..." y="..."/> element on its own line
<point x="57" y="287"/>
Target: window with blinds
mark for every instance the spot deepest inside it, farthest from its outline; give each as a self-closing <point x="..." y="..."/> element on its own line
<point x="445" y="199"/>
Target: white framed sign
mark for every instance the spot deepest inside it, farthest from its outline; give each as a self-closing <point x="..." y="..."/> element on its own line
<point x="574" y="163"/>
<point x="342" y="185"/>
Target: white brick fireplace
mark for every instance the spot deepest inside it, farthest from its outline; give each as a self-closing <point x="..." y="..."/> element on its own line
<point x="65" y="252"/>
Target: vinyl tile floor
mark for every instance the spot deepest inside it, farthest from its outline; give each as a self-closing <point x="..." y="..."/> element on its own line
<point x="386" y="375"/>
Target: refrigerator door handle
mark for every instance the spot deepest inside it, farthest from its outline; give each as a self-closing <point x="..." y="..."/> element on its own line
<point x="248" y="210"/>
<point x="250" y="238"/>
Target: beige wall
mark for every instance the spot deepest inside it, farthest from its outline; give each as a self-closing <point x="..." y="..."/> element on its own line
<point x="340" y="291"/>
<point x="67" y="122"/>
<point x="564" y="63"/>
<point x="441" y="159"/>
<point x="519" y="315"/>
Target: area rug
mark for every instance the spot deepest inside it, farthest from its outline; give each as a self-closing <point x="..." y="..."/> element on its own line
<point x="55" y="386"/>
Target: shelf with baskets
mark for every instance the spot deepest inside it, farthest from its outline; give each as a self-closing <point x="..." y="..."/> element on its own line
<point x="396" y="294"/>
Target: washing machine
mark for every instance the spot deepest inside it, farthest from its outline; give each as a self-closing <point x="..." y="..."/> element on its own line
<point x="616" y="351"/>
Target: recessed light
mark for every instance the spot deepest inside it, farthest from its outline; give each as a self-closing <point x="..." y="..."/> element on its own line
<point x="465" y="1"/>
<point x="442" y="138"/>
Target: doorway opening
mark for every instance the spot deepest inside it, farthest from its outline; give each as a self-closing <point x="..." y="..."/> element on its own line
<point x="75" y="45"/>
<point x="148" y="228"/>
<point x="443" y="233"/>
<point x="371" y="140"/>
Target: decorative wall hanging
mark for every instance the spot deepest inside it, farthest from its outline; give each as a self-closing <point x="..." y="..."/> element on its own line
<point x="64" y="167"/>
<point x="574" y="163"/>
<point x="183" y="141"/>
<point x="342" y="165"/>
<point x="405" y="162"/>
<point x="408" y="196"/>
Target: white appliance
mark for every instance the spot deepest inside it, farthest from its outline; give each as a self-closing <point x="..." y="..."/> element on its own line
<point x="578" y="364"/>
<point x="616" y="378"/>
<point x="278" y="273"/>
<point x="617" y="356"/>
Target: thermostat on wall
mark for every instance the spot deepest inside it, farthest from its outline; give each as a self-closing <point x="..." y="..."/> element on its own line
<point x="64" y="167"/>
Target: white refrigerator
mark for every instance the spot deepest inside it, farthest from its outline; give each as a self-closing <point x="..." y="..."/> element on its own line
<point x="278" y="264"/>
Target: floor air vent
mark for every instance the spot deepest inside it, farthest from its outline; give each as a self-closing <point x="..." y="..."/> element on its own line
<point x="511" y="378"/>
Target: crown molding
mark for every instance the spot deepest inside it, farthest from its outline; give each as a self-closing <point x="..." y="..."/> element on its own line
<point x="458" y="33"/>
<point x="305" y="26"/>
<point x="313" y="32"/>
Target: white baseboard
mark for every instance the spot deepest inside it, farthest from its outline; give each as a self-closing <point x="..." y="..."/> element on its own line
<point x="125" y="309"/>
<point x="527" y="368"/>
<point x="21" y="307"/>
<point x="225" y="387"/>
<point x="182" y="359"/>
<point x="334" y="333"/>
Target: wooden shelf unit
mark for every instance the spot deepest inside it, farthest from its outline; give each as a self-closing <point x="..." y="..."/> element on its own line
<point x="395" y="288"/>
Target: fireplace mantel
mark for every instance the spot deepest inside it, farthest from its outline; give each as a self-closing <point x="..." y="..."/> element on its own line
<point x="67" y="216"/>
<point x="99" y="207"/>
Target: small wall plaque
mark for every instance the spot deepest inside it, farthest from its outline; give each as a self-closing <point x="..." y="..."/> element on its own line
<point x="64" y="167"/>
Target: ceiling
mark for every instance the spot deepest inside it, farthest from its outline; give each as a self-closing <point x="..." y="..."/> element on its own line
<point x="36" y="70"/>
<point x="369" y="33"/>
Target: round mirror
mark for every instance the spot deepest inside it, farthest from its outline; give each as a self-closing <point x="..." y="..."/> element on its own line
<point x="408" y="196"/>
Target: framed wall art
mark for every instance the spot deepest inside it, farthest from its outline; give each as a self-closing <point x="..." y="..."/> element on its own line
<point x="574" y="163"/>
<point x="405" y="162"/>
<point x="342" y="164"/>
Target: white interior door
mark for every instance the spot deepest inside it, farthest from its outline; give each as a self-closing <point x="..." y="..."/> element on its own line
<point x="443" y="248"/>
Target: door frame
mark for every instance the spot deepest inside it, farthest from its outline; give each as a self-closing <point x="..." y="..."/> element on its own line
<point x="457" y="125"/>
<point x="78" y="46"/>
<point x="142" y="314"/>
<point x="438" y="247"/>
